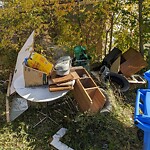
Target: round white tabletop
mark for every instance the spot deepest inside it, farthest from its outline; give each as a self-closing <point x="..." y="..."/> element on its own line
<point x="36" y="94"/>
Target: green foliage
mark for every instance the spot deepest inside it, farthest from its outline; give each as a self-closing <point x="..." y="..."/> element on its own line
<point x="70" y="24"/>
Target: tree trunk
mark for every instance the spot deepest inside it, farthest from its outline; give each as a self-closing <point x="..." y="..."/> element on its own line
<point x="141" y="28"/>
<point x="99" y="47"/>
<point x="106" y="40"/>
<point x="111" y="31"/>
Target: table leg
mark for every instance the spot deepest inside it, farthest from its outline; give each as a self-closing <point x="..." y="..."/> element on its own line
<point x="46" y="116"/>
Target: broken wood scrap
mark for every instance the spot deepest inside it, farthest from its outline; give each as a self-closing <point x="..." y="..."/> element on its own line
<point x="54" y="88"/>
<point x="7" y="100"/>
<point x="59" y="79"/>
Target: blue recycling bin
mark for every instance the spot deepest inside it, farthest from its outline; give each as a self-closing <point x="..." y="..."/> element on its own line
<point x="142" y="115"/>
<point x="147" y="77"/>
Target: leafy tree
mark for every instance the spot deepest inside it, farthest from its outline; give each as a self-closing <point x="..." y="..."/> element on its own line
<point x="97" y="25"/>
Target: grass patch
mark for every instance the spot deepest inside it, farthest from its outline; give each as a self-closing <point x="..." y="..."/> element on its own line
<point x="109" y="131"/>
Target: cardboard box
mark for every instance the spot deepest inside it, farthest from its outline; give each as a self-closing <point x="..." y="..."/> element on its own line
<point x="33" y="77"/>
<point x="87" y="94"/>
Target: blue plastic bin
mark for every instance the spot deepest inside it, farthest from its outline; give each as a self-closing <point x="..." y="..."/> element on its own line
<point x="142" y="115"/>
<point x="147" y="77"/>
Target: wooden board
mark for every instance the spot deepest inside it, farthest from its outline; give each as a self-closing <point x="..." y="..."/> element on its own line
<point x="81" y="72"/>
<point x="54" y="88"/>
<point x="59" y="79"/>
<point x="87" y="82"/>
<point x="134" y="62"/>
<point x="7" y="100"/>
<point x="81" y="97"/>
<point x="98" y="99"/>
<point x="75" y="75"/>
<point x="130" y="53"/>
<point x="132" y="65"/>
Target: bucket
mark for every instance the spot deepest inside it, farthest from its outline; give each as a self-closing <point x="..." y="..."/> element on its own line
<point x="104" y="70"/>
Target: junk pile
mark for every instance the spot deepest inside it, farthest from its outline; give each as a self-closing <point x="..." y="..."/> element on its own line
<point x="72" y="74"/>
<point x="62" y="76"/>
<point x="39" y="71"/>
<point x="121" y="69"/>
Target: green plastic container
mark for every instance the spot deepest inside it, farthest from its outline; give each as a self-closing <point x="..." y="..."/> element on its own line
<point x="78" y="50"/>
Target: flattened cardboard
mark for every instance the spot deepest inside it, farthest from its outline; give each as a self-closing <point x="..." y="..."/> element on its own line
<point x="23" y="53"/>
<point x="33" y="77"/>
<point x="115" y="67"/>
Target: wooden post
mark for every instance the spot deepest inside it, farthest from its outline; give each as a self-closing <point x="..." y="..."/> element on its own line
<point x="7" y="100"/>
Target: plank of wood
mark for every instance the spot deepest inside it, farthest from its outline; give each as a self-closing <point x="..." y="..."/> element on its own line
<point x="75" y="75"/>
<point x="69" y="83"/>
<point x="98" y="99"/>
<point x="55" y="88"/>
<point x="81" y="96"/>
<point x="58" y="79"/>
<point x="7" y="100"/>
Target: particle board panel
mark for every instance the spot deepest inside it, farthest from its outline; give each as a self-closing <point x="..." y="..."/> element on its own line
<point x="82" y="73"/>
<point x="87" y="94"/>
<point x="130" y="53"/>
<point x="87" y="82"/>
<point x="133" y="63"/>
<point x="98" y="99"/>
<point x="81" y="97"/>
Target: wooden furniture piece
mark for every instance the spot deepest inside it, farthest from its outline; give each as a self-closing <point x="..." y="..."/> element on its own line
<point x="133" y="62"/>
<point x="87" y="94"/>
